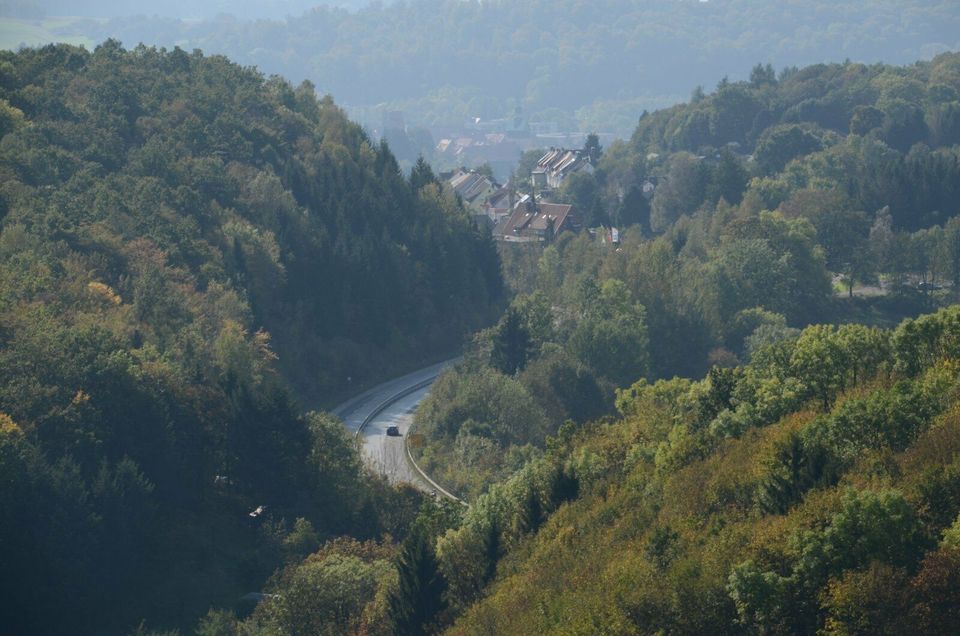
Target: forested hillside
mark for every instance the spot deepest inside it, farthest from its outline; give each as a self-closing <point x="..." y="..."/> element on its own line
<point x="741" y="417"/>
<point x="828" y="194"/>
<point x="811" y="491"/>
<point x="179" y="237"/>
<point x="593" y="65"/>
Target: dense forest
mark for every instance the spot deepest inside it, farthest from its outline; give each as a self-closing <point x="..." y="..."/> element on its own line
<point x="813" y="490"/>
<point x="181" y="240"/>
<point x="581" y="65"/>
<point x="768" y="215"/>
<point x="739" y="418"/>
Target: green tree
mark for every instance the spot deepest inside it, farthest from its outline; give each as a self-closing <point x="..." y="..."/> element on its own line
<point x="779" y="145"/>
<point x="592" y="148"/>
<point x="865" y="119"/>
<point x="612" y="338"/>
<point x="728" y="180"/>
<point x="511" y="343"/>
<point x="680" y="192"/>
<point x="324" y="596"/>
<point x="634" y="210"/>
<point x="795" y="468"/>
<point x="819" y="362"/>
<point x="418" y="600"/>
<point x="421" y="174"/>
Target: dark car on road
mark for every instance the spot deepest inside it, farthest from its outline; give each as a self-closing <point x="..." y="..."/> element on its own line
<point x="393" y="431"/>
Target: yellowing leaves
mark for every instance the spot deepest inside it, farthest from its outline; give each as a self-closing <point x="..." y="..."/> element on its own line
<point x="8" y="426"/>
<point x="242" y="357"/>
<point x="104" y="292"/>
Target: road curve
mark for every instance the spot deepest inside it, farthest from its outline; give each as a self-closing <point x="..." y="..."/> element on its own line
<point x="390" y="404"/>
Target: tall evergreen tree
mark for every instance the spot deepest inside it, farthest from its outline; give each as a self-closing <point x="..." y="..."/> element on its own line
<point x="418" y="599"/>
<point x="491" y="550"/>
<point x="592" y="148"/>
<point x="511" y="343"/>
<point x="729" y="179"/>
<point x="421" y="174"/>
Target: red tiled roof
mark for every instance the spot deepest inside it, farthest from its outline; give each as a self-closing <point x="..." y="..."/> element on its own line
<point x="527" y="223"/>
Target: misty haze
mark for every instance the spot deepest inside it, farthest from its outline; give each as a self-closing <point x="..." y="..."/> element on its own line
<point x="461" y="317"/>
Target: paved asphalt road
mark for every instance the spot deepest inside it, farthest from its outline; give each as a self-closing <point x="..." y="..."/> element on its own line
<point x="386" y="455"/>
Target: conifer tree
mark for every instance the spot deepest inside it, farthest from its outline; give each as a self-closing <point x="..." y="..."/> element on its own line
<point x="511" y="343"/>
<point x="421" y="174"/>
<point x="491" y="550"/>
<point x="418" y="599"/>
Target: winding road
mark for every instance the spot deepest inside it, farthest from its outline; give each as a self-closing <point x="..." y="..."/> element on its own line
<point x="390" y="404"/>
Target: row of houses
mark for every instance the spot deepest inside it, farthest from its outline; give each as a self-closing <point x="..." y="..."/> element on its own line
<point x="520" y="217"/>
<point x="536" y="222"/>
<point x="558" y="164"/>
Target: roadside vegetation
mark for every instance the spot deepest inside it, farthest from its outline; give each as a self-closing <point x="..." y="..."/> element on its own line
<point x="688" y="431"/>
<point x="767" y="194"/>
<point x="189" y="252"/>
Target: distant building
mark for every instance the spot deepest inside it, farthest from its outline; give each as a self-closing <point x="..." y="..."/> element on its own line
<point x="533" y="223"/>
<point x="498" y="150"/>
<point x="474" y="188"/>
<point x="557" y="164"/>
<point x="500" y="204"/>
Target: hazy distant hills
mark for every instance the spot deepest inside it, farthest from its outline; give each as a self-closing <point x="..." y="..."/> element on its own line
<point x="249" y="9"/>
<point x="590" y="65"/>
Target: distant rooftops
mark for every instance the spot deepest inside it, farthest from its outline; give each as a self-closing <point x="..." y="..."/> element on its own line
<point x="556" y="164"/>
<point x="542" y="222"/>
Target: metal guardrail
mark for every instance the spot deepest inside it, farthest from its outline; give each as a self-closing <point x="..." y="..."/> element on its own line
<point x="384" y="405"/>
<point x="427" y="477"/>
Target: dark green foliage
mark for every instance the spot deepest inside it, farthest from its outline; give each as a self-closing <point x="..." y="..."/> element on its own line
<point x="939" y="488"/>
<point x="865" y="119"/>
<point x="562" y="485"/>
<point x="889" y="419"/>
<point x="418" y="600"/>
<point x="160" y="212"/>
<point x="720" y="387"/>
<point x="728" y="180"/>
<point x="511" y="343"/>
<point x="683" y="190"/>
<point x="796" y="467"/>
<point x="492" y="551"/>
<point x="659" y="549"/>
<point x="421" y="174"/>
<point x="634" y="210"/>
<point x="564" y="388"/>
<point x="592" y="148"/>
<point x="530" y="514"/>
<point x="253" y="185"/>
<point x="781" y="144"/>
<point x="879" y="135"/>
<point x="921" y="342"/>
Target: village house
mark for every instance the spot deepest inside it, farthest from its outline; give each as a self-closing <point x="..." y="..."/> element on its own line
<point x="473" y="188"/>
<point x="536" y="222"/>
<point x="495" y="149"/>
<point x="501" y="204"/>
<point x="557" y="164"/>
